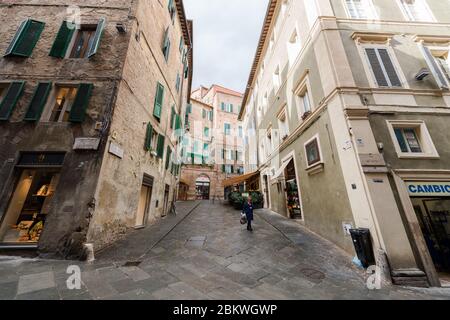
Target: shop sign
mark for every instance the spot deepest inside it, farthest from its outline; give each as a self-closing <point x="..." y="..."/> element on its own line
<point x="428" y="189"/>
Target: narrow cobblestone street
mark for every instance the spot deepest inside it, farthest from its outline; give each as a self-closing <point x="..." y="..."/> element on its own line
<point x="204" y="253"/>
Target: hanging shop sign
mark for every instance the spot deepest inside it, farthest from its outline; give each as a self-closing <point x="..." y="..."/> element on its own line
<point x="428" y="189"/>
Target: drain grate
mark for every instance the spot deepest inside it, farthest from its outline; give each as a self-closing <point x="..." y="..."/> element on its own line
<point x="313" y="274"/>
<point x="132" y="263"/>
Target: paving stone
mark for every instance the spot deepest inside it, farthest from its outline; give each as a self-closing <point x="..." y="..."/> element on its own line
<point x="46" y="294"/>
<point x="135" y="273"/>
<point x="8" y="290"/>
<point x="35" y="282"/>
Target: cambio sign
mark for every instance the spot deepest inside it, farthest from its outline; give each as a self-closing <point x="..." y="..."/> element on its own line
<point x="428" y="189"/>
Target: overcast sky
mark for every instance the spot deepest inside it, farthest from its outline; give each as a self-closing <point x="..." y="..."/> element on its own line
<point x="226" y="34"/>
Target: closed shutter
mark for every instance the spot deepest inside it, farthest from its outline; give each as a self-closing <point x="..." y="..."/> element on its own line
<point x="38" y="101"/>
<point x="389" y="67"/>
<point x="25" y="39"/>
<point x="148" y="137"/>
<point x="160" y="147"/>
<point x="9" y="102"/>
<point x="172" y="117"/>
<point x="81" y="102"/>
<point x="177" y="122"/>
<point x="166" y="44"/>
<point x="223" y="168"/>
<point x="168" y="157"/>
<point x="434" y="67"/>
<point x="376" y="67"/>
<point x="62" y="40"/>
<point x="97" y="37"/>
<point x="231" y="108"/>
<point x="223" y="106"/>
<point x="159" y="98"/>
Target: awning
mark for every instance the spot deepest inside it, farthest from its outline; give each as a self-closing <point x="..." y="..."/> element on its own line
<point x="280" y="171"/>
<point x="184" y="182"/>
<point x="239" y="179"/>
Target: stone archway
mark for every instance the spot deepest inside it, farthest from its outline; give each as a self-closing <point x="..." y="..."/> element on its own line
<point x="203" y="187"/>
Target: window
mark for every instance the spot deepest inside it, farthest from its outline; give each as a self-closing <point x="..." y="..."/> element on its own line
<point x="313" y="153"/>
<point x="439" y="64"/>
<point x="172" y="9"/>
<point x="304" y="101"/>
<point x="282" y="125"/>
<point x="416" y="10"/>
<point x="227" y="129"/>
<point x="206" y="132"/>
<point x="178" y="83"/>
<point x="311" y="11"/>
<point x="382" y="67"/>
<point x="204" y="113"/>
<point x="25" y="39"/>
<point x="166" y="45"/>
<point x="68" y="103"/>
<point x="85" y="44"/>
<point x="241" y="132"/>
<point x="276" y="78"/>
<point x="360" y="9"/>
<point x="412" y="139"/>
<point x="294" y="46"/>
<point x="284" y="7"/>
<point x="228" y="169"/>
<point x="181" y="45"/>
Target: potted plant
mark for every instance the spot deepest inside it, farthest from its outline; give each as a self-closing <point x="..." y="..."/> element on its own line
<point x="306" y="115"/>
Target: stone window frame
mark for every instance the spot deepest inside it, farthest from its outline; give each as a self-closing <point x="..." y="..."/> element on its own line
<point x="378" y="41"/>
<point x="429" y="150"/>
<point x="370" y="10"/>
<point x="320" y="161"/>
<point x="50" y="104"/>
<point x="431" y="16"/>
<point x="303" y="88"/>
<point x="282" y="116"/>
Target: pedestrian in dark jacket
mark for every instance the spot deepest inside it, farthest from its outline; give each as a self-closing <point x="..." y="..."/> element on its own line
<point x="248" y="211"/>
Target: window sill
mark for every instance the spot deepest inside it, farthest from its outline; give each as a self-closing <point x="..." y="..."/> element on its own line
<point x="316" y="168"/>
<point x="419" y="156"/>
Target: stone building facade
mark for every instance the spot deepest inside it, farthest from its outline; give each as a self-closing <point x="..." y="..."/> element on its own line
<point x="213" y="146"/>
<point x="346" y="112"/>
<point x="91" y="98"/>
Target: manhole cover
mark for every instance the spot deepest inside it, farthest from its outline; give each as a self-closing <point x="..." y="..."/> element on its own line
<point x="313" y="274"/>
<point x="132" y="263"/>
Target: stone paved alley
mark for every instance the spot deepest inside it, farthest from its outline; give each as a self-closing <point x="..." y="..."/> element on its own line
<point x="204" y="253"/>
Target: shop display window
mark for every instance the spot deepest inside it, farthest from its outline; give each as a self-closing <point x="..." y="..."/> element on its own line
<point x="30" y="203"/>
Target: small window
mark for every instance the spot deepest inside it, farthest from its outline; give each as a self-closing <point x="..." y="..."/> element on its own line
<point x="206" y="132"/>
<point x="412" y="139"/>
<point x="166" y="45"/>
<point x="241" y="132"/>
<point x="178" y="83"/>
<point x="83" y="41"/>
<point x="416" y="10"/>
<point x="227" y="129"/>
<point x="277" y="78"/>
<point x="283" y="125"/>
<point x="382" y="67"/>
<point x="313" y="153"/>
<point x="360" y="9"/>
<point x="172" y="10"/>
<point x="294" y="46"/>
<point x="439" y="63"/>
<point x="62" y="104"/>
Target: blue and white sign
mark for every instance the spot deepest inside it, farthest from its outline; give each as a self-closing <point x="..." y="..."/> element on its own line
<point x="428" y="189"/>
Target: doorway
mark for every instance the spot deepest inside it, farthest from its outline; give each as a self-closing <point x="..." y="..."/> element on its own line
<point x="145" y="199"/>
<point x="292" y="192"/>
<point x="434" y="219"/>
<point x="166" y="200"/>
<point x="266" y="191"/>
<point x="203" y="188"/>
<point x="29" y="206"/>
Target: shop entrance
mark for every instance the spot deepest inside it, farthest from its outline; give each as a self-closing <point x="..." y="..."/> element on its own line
<point x="292" y="192"/>
<point x="203" y="188"/>
<point x="29" y="206"/>
<point x="433" y="214"/>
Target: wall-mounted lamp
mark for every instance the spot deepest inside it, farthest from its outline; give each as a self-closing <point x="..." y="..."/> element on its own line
<point x="121" y="27"/>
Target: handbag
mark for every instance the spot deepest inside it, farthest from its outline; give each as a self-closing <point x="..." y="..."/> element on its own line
<point x="243" y="218"/>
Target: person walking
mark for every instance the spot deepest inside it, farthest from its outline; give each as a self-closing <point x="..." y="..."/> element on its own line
<point x="248" y="211"/>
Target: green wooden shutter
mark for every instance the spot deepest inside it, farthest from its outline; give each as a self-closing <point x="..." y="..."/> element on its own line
<point x="177" y="122"/>
<point x="38" y="101"/>
<point x="223" y="168"/>
<point x="159" y="98"/>
<point x="166" y="44"/>
<point x="97" y="38"/>
<point x="169" y="154"/>
<point x="148" y="137"/>
<point x="81" y="102"/>
<point x="62" y="40"/>
<point x="25" y="39"/>
<point x="172" y="117"/>
<point x="9" y="102"/>
<point x="160" y="147"/>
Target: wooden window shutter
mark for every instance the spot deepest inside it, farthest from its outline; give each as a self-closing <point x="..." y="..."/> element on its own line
<point x="81" y="102"/>
<point x="160" y="147"/>
<point x="390" y="69"/>
<point x="376" y="67"/>
<point x="97" y="38"/>
<point x="434" y="68"/>
<point x="25" y="38"/>
<point x="38" y="101"/>
<point x="9" y="102"/>
<point x="148" y="137"/>
<point x="177" y="122"/>
<point x="62" y="40"/>
<point x="159" y="98"/>
<point x="172" y="117"/>
<point x="223" y="168"/>
<point x="168" y="157"/>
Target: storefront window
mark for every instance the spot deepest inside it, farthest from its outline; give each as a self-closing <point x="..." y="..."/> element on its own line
<point x="29" y="206"/>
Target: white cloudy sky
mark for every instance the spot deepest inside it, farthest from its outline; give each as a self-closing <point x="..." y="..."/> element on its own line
<point x="226" y="33"/>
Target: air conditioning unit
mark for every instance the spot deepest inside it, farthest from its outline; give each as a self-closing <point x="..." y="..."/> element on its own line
<point x="422" y="74"/>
